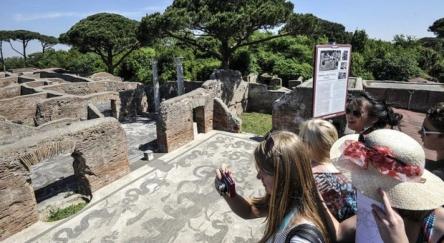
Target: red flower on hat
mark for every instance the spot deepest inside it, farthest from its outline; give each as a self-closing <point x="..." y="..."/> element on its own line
<point x="382" y="159"/>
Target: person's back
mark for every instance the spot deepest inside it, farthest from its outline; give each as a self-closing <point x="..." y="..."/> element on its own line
<point x="336" y="190"/>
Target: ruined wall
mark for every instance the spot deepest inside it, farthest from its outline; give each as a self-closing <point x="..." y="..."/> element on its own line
<point x="11" y="132"/>
<point x="296" y="106"/>
<point x="231" y="89"/>
<point x="225" y="120"/>
<point x="8" y="80"/>
<point x="175" y="123"/>
<point x="10" y="91"/>
<point x="99" y="148"/>
<point x="411" y="96"/>
<point x="21" y="109"/>
<point x="72" y="106"/>
<point x="92" y="87"/>
<point x="64" y="76"/>
<point x="292" y="109"/>
<point x="260" y="99"/>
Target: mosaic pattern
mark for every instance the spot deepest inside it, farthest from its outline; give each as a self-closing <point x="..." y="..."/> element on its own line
<point x="174" y="201"/>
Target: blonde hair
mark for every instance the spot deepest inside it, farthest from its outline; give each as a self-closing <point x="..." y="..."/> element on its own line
<point x="282" y="154"/>
<point x="318" y="135"/>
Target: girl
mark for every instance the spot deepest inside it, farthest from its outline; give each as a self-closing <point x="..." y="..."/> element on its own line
<point x="291" y="205"/>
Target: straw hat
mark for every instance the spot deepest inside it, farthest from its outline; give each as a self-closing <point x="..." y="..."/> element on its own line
<point x="424" y="193"/>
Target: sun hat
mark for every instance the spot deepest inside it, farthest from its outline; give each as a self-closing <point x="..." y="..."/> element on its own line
<point x="393" y="161"/>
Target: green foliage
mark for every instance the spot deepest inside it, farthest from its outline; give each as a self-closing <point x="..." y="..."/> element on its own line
<point x="72" y="60"/>
<point x="111" y="36"/>
<point x="85" y="64"/>
<point x="288" y="69"/>
<point x="396" y="65"/>
<point x="256" y="123"/>
<point x="203" y="68"/>
<point x="359" y="41"/>
<point x="216" y="27"/>
<point x="59" y="214"/>
<point x="137" y="66"/>
<point x="14" y="62"/>
<point x="358" y="68"/>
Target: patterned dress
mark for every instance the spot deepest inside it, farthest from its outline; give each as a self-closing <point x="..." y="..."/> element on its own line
<point x="338" y="193"/>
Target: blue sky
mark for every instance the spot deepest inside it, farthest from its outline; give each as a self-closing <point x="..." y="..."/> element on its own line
<point x="381" y="19"/>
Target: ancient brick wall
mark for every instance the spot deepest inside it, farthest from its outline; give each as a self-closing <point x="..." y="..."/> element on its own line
<point x="99" y="148"/>
<point x="92" y="87"/>
<point x="72" y="106"/>
<point x="175" y="123"/>
<point x="21" y="109"/>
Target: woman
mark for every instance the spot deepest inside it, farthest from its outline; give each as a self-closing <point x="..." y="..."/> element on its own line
<point x="432" y="134"/>
<point x="336" y="191"/>
<point x="364" y="114"/>
<point x="291" y="201"/>
<point x="388" y="166"/>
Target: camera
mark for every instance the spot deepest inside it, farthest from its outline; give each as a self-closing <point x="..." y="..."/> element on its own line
<point x="225" y="185"/>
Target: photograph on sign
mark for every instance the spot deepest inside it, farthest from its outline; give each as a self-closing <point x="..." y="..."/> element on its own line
<point x="332" y="64"/>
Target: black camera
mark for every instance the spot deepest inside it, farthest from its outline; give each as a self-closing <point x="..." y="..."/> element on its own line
<point x="225" y="185"/>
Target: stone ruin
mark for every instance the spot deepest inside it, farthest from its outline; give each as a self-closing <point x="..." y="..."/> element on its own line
<point x="217" y="104"/>
<point x="48" y="113"/>
<point x="44" y="114"/>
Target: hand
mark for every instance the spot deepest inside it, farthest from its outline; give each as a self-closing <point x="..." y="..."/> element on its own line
<point x="390" y="224"/>
<point x="224" y="182"/>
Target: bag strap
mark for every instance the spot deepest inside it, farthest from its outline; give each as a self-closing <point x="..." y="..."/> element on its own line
<point x="308" y="232"/>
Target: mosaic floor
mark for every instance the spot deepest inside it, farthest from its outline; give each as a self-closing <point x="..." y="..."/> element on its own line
<point x="171" y="199"/>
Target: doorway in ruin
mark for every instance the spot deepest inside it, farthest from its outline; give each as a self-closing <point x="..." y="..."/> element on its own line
<point x="198" y="120"/>
<point x="56" y="186"/>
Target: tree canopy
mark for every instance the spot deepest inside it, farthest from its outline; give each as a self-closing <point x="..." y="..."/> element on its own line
<point x="111" y="36"/>
<point x="310" y="25"/>
<point x="438" y="28"/>
<point x="23" y="36"/>
<point x="216" y="27"/>
<point x="47" y="42"/>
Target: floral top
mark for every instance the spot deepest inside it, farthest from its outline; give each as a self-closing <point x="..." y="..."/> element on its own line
<point x="338" y="193"/>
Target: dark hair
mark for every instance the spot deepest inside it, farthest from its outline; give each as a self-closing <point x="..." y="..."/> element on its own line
<point x="436" y="116"/>
<point x="383" y="113"/>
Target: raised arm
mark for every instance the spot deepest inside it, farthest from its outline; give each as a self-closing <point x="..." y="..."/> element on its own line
<point x="241" y="206"/>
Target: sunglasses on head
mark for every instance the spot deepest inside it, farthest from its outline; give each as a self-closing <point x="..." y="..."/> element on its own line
<point x="425" y="132"/>
<point x="356" y="113"/>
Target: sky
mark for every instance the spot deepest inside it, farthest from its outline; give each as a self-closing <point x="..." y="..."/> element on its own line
<point x="381" y="19"/>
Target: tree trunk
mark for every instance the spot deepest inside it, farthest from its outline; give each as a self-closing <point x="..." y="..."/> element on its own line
<point x="1" y="56"/>
<point x="24" y="51"/>
<point x="226" y="55"/>
<point x="109" y="61"/>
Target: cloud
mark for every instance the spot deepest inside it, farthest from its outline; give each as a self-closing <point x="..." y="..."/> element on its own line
<point x="55" y="15"/>
<point x="50" y="15"/>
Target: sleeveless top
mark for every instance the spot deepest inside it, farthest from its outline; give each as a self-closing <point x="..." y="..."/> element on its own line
<point x="427" y="227"/>
<point x="338" y="193"/>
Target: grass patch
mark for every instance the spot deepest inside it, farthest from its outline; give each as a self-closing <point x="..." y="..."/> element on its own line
<point x="257" y="123"/>
<point x="62" y="213"/>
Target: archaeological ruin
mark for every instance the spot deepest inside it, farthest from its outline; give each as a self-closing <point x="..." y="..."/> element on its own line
<point x="49" y="116"/>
